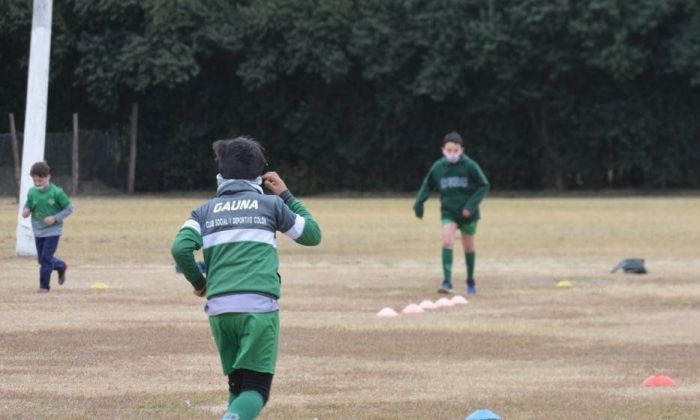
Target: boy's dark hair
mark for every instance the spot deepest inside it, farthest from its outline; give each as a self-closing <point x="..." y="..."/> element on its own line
<point x="239" y="158"/>
<point x="453" y="137"/>
<point x="41" y="169"/>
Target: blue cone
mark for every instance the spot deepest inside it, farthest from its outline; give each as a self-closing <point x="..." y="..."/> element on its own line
<point x="483" y="414"/>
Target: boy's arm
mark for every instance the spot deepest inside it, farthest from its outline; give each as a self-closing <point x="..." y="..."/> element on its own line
<point x="482" y="188"/>
<point x="295" y="221"/>
<point x="26" y="210"/>
<point x="188" y="240"/>
<point x="306" y="230"/>
<point x="61" y="215"/>
<point x="65" y="203"/>
<point x="423" y="194"/>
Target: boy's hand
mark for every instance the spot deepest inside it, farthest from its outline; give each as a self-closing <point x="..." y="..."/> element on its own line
<point x="466" y="213"/>
<point x="49" y="220"/>
<point x="274" y="183"/>
<point x="418" y="210"/>
<point x="26" y="212"/>
<point x="200" y="286"/>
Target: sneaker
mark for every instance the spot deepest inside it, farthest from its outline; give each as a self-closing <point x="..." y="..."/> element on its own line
<point x="445" y="287"/>
<point x="62" y="274"/>
<point x="471" y="287"/>
<point x="42" y="290"/>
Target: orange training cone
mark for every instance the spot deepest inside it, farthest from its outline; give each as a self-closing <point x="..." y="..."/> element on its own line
<point x="659" y="380"/>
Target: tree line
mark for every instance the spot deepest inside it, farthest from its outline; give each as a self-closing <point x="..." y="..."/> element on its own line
<point x="356" y="94"/>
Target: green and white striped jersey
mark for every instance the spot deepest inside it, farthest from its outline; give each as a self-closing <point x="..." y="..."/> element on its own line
<point x="237" y="232"/>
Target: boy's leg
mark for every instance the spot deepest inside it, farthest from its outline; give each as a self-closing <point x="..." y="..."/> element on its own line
<point x="57" y="264"/>
<point x="234" y="386"/>
<point x="252" y="390"/>
<point x="468" y="243"/>
<point x="43" y="280"/>
<point x="246" y="406"/>
<point x="48" y="261"/>
<point x="448" y="234"/>
<point x="247" y="344"/>
<point x="48" y="247"/>
<point x="470" y="258"/>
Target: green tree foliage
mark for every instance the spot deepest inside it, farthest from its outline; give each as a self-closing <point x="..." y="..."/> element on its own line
<point x="356" y="94"/>
<point x="129" y="47"/>
<point x="15" y="27"/>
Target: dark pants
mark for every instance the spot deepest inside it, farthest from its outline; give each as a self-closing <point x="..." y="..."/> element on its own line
<point x="45" y="248"/>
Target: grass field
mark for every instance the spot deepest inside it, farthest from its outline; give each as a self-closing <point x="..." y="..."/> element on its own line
<point x="524" y="349"/>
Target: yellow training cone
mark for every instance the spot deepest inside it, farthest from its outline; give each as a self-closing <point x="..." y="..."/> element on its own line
<point x="564" y="284"/>
<point x="99" y="286"/>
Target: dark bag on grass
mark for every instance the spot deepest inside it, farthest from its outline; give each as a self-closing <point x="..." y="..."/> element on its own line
<point x="631" y="265"/>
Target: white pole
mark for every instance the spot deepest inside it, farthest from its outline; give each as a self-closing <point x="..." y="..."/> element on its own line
<point x="35" y="115"/>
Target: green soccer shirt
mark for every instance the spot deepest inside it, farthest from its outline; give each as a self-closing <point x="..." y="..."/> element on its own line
<point x="237" y="231"/>
<point x="51" y="201"/>
<point x="462" y="185"/>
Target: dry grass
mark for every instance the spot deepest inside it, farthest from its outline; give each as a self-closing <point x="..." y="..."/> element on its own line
<point x="142" y="349"/>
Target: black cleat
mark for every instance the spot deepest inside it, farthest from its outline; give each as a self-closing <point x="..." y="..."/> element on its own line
<point x="62" y="274"/>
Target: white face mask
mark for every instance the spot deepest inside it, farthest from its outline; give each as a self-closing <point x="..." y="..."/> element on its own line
<point x="44" y="185"/>
<point x="452" y="157"/>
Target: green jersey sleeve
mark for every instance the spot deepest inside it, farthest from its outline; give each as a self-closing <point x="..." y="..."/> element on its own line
<point x="311" y="233"/>
<point x="187" y="241"/>
<point x="31" y="199"/>
<point x="304" y="230"/>
<point x="62" y="199"/>
<point x="478" y="179"/>
<point x="64" y="204"/>
<point x="424" y="192"/>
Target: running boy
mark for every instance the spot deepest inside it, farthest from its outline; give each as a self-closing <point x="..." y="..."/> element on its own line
<point x="49" y="206"/>
<point x="237" y="230"/>
<point x="462" y="186"/>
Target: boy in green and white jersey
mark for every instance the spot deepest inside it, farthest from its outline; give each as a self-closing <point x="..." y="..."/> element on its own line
<point x="48" y="205"/>
<point x="462" y="186"/>
<point x="237" y="230"/>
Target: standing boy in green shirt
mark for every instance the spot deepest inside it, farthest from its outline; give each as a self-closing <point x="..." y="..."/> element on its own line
<point x="237" y="230"/>
<point x="462" y="186"/>
<point x="49" y="206"/>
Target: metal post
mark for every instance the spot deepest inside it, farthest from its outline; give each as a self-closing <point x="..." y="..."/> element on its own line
<point x="76" y="157"/>
<point x="35" y="115"/>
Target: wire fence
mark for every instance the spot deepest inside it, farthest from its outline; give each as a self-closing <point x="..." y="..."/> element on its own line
<point x="103" y="160"/>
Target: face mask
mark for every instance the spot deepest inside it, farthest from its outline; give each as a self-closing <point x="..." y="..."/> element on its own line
<point x="44" y="185"/>
<point x="452" y="157"/>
